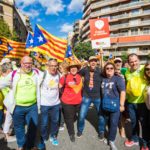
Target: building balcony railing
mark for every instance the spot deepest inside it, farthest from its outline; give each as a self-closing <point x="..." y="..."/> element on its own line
<point x="118" y="8"/>
<point x="127" y="25"/>
<point x="133" y="43"/>
<point x="129" y="15"/>
<point x="86" y="34"/>
<point x="120" y="53"/>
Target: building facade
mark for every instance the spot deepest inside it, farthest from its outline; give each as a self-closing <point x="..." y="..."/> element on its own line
<point x="77" y="31"/>
<point x="14" y="18"/>
<point x="129" y="22"/>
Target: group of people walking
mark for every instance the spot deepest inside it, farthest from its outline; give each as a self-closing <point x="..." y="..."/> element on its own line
<point x="66" y="91"/>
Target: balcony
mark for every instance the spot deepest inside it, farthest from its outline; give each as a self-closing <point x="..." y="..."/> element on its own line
<point x="118" y="8"/>
<point x="85" y="27"/>
<point x="86" y="34"/>
<point x="128" y="25"/>
<point x="133" y="44"/>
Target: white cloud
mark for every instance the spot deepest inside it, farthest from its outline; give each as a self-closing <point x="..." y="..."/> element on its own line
<point x="39" y="20"/>
<point x="66" y="27"/>
<point x="24" y="3"/>
<point x="75" y="6"/>
<point x="51" y="6"/>
<point x="31" y="13"/>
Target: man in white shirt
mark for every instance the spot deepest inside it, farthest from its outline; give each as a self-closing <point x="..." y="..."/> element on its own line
<point x="50" y="102"/>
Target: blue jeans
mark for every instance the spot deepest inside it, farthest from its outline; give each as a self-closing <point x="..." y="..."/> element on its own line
<point x="51" y="112"/>
<point x="86" y="102"/>
<point x="1" y="118"/>
<point x="112" y="119"/>
<point x="25" y="115"/>
<point x="138" y="112"/>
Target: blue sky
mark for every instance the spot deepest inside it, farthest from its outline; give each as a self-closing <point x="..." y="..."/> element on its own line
<point x="56" y="16"/>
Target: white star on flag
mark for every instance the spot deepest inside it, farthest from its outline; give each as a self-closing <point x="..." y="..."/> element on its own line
<point x="40" y="39"/>
<point x="70" y="53"/>
<point x="31" y="41"/>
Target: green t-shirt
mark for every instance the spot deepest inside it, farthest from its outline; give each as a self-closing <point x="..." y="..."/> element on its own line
<point x="25" y="91"/>
<point x="129" y="76"/>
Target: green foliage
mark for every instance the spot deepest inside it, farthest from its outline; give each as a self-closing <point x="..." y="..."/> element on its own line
<point x="124" y="56"/>
<point x="15" y="36"/>
<point x="83" y="50"/>
<point x="5" y="31"/>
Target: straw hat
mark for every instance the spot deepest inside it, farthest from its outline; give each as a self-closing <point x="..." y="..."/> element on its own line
<point x="73" y="64"/>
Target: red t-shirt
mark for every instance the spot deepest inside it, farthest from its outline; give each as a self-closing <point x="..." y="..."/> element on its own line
<point x="72" y="91"/>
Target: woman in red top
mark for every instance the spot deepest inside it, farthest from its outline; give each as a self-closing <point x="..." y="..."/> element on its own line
<point x="71" y="97"/>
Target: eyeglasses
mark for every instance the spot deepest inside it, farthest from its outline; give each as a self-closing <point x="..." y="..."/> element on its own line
<point x="147" y="69"/>
<point x="118" y="61"/>
<point x="110" y="68"/>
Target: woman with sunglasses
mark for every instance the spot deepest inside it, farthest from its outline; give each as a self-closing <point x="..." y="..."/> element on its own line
<point x="71" y="96"/>
<point x="146" y="137"/>
<point x="113" y="91"/>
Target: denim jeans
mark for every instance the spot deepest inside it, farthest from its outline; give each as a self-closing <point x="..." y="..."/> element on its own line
<point x="112" y="120"/>
<point x="86" y="102"/>
<point x="1" y="118"/>
<point x="49" y="113"/>
<point x="139" y="112"/>
<point x="25" y="115"/>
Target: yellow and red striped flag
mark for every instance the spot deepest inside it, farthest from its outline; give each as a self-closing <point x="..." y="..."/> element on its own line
<point x="54" y="47"/>
<point x="3" y="44"/>
<point x="18" y="50"/>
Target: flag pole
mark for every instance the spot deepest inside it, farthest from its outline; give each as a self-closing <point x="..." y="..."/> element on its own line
<point x="101" y="55"/>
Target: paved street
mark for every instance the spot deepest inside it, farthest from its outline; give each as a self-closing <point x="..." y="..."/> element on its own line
<point x="88" y="141"/>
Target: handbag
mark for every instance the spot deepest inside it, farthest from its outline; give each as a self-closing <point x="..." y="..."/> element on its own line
<point x="110" y="104"/>
<point x="9" y="101"/>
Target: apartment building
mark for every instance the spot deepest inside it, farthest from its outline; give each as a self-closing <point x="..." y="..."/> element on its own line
<point x="77" y="31"/>
<point x="14" y="18"/>
<point x="129" y="22"/>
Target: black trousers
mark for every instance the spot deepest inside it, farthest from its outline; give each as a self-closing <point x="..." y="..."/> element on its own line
<point x="70" y="115"/>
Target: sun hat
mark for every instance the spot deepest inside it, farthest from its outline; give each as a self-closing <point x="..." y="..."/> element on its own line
<point x="73" y="63"/>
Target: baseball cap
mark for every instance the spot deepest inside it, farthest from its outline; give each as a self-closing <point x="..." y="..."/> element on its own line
<point x="92" y="58"/>
<point x="117" y="59"/>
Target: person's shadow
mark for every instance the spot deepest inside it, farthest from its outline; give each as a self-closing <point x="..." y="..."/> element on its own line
<point x="3" y="145"/>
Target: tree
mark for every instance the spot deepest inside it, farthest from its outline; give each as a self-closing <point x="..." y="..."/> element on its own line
<point x="5" y="31"/>
<point x="124" y="56"/>
<point x="83" y="50"/>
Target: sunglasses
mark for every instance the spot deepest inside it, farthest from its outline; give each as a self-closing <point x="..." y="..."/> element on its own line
<point x="147" y="69"/>
<point x="118" y="61"/>
<point x="110" y="68"/>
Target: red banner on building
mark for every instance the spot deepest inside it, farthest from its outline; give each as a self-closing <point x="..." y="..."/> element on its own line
<point x="99" y="32"/>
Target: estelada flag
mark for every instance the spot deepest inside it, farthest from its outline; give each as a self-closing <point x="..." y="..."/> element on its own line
<point x="99" y="32"/>
<point x="48" y="44"/>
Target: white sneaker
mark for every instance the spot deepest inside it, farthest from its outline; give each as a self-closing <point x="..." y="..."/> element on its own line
<point x="112" y="145"/>
<point x="10" y="138"/>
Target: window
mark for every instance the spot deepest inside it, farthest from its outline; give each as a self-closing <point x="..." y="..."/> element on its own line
<point x="1" y="9"/>
<point x="134" y="11"/>
<point x="105" y="9"/>
<point x="123" y="33"/>
<point x="134" y="31"/>
<point x="146" y="30"/>
<point x="134" y="22"/>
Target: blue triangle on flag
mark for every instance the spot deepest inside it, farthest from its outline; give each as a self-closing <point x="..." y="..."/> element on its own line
<point x="34" y="54"/>
<point x="69" y="51"/>
<point x="1" y="42"/>
<point x="110" y="56"/>
<point x="9" y="47"/>
<point x="29" y="40"/>
<point x="39" y="38"/>
<point x="5" y="53"/>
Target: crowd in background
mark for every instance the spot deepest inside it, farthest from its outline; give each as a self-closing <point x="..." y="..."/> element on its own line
<point x="63" y="93"/>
